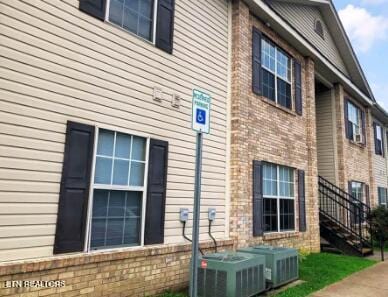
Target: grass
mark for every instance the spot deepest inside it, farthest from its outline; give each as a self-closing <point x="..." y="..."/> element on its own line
<point x="321" y="270"/>
<point x="376" y="246"/>
<point x="317" y="271"/>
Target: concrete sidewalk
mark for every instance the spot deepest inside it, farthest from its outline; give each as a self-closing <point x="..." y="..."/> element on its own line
<point x="371" y="282"/>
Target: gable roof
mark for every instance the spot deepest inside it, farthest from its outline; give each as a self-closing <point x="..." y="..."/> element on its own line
<point x="304" y="19"/>
<point x="356" y="79"/>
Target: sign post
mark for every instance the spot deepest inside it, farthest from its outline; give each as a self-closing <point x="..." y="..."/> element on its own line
<point x="200" y="124"/>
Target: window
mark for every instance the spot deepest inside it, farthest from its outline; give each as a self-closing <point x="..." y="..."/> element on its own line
<point x="118" y="190"/>
<point x="357" y="191"/>
<point x="276" y="74"/>
<point x="379" y="143"/>
<point x="136" y="16"/>
<point x="383" y="196"/>
<point x="318" y="28"/>
<point x="355" y="122"/>
<point x="278" y="195"/>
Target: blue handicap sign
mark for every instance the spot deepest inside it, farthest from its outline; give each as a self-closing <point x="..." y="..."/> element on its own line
<point x="201" y="116"/>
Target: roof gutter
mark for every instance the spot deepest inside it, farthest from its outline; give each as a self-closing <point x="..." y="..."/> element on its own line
<point x="254" y="4"/>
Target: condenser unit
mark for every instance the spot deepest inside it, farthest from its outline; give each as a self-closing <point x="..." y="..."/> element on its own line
<point x="230" y="275"/>
<point x="281" y="264"/>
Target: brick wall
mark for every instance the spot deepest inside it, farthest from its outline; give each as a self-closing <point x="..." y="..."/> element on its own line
<point x="260" y="130"/>
<point x="139" y="272"/>
<point x="355" y="161"/>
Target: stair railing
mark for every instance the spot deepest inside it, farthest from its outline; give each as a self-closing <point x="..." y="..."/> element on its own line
<point x="343" y="210"/>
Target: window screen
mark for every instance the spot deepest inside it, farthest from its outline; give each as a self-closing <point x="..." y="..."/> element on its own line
<point x="136" y="16"/>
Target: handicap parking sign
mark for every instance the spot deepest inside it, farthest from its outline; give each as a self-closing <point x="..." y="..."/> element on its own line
<point x="201" y="112"/>
<point x="201" y="116"/>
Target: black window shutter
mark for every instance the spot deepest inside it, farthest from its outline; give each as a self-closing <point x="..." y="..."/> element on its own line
<point x="363" y="127"/>
<point x="348" y="126"/>
<point x="298" y="88"/>
<point x="384" y="146"/>
<point x="302" y="201"/>
<point x="156" y="192"/>
<point x="74" y="190"/>
<point x="350" y="189"/>
<point x="256" y="61"/>
<point x="165" y="25"/>
<point x="375" y="138"/>
<point x="95" y="8"/>
<point x="257" y="213"/>
<point x="382" y="142"/>
<point x="380" y="194"/>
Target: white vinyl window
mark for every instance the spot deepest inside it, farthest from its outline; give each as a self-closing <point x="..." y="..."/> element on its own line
<point x="358" y="191"/>
<point x="278" y="198"/>
<point x="136" y="16"/>
<point x="354" y="115"/>
<point x="118" y="192"/>
<point x="276" y="74"/>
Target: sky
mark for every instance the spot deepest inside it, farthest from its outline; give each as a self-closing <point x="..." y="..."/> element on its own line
<point x="366" y="23"/>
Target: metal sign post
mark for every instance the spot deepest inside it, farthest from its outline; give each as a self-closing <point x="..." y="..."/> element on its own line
<point x="196" y="216"/>
<point x="201" y="124"/>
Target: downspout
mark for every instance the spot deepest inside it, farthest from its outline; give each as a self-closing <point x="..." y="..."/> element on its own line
<point x="228" y="122"/>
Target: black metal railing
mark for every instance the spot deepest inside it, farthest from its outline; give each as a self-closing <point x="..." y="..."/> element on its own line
<point x="345" y="212"/>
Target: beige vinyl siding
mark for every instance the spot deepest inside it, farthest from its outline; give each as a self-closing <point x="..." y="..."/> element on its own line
<point x="59" y="64"/>
<point x="380" y="163"/>
<point x="302" y="18"/>
<point x="325" y="138"/>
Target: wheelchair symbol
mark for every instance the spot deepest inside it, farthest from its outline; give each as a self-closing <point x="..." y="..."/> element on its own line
<point x="201" y="116"/>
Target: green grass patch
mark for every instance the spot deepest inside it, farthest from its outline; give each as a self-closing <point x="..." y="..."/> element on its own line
<point x="321" y="270"/>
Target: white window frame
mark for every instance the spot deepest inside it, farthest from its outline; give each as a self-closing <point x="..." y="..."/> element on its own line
<point x="276" y="70"/>
<point x="362" y="187"/>
<point x="278" y="197"/>
<point x="358" y="125"/>
<point x="93" y="186"/>
<point x="155" y="18"/>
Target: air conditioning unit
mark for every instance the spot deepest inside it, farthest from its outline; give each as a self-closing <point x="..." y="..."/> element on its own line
<point x="230" y="274"/>
<point x="281" y="264"/>
<point x="358" y="138"/>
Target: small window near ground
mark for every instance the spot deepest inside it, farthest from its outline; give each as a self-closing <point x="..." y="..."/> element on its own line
<point x="136" y="16"/>
<point x="319" y="29"/>
<point x="355" y="122"/>
<point x="118" y="190"/>
<point x="382" y="193"/>
<point x="276" y="74"/>
<point x="279" y="198"/>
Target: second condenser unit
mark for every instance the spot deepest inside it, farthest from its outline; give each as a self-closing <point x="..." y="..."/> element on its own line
<point x="281" y="264"/>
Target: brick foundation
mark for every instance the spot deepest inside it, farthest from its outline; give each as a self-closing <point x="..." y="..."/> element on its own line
<point x="138" y="272"/>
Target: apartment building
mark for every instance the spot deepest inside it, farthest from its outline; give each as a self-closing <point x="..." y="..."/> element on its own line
<point x="96" y="148"/>
<point x="97" y="151"/>
<point x="301" y="108"/>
